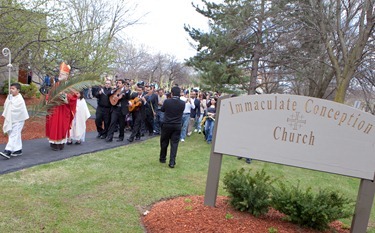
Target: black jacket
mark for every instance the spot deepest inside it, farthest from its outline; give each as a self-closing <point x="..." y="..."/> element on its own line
<point x="152" y="102"/>
<point x="173" y="109"/>
<point x="135" y="95"/>
<point x="197" y="110"/>
<point x="123" y="103"/>
<point x="103" y="98"/>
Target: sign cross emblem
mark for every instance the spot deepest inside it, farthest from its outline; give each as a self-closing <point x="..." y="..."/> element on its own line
<point x="296" y="121"/>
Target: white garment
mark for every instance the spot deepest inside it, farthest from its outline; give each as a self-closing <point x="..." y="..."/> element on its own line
<point x="78" y="130"/>
<point x="161" y="100"/>
<point x="188" y="104"/>
<point x="14" y="111"/>
<point x="14" y="137"/>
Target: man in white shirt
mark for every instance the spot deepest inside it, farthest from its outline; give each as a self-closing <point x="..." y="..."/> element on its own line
<point x="189" y="104"/>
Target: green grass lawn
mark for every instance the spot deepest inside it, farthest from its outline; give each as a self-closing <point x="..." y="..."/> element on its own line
<point x="107" y="191"/>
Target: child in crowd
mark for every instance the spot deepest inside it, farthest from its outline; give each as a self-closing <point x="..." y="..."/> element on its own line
<point x="15" y="114"/>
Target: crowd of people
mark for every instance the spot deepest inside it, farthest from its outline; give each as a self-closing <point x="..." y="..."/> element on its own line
<point x="139" y="108"/>
<point x="123" y="105"/>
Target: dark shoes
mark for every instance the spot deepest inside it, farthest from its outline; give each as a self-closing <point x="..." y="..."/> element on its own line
<point x="171" y="164"/>
<point x="108" y="139"/>
<point x="6" y="154"/>
<point x="71" y="142"/>
<point x="57" y="147"/>
<point x="54" y="146"/>
<point x="102" y="135"/>
<point x="16" y="153"/>
<point x="120" y="140"/>
<point x="248" y="160"/>
<point x="137" y="138"/>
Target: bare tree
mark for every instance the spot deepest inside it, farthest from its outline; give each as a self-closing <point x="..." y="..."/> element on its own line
<point x="135" y="62"/>
<point x="79" y="32"/>
<point x="345" y="27"/>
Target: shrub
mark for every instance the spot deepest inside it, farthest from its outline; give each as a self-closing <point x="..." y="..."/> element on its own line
<point x="37" y="95"/>
<point x="6" y="85"/>
<point x="249" y="193"/>
<point x="310" y="210"/>
<point x="27" y="90"/>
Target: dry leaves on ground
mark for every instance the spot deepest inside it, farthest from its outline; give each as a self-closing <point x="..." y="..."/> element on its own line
<point x="188" y="214"/>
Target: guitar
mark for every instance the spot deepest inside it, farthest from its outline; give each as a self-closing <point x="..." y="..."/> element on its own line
<point x="116" y="97"/>
<point x="134" y="104"/>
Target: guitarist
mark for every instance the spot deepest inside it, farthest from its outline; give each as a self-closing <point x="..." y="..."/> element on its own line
<point x="139" y="99"/>
<point x="119" y="97"/>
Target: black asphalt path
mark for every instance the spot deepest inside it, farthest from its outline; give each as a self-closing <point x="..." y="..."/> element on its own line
<point x="38" y="151"/>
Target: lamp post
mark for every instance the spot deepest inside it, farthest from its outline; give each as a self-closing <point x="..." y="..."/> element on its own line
<point x="6" y="52"/>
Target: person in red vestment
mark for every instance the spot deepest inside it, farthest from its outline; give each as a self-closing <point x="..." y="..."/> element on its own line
<point x="60" y="117"/>
<point x="59" y="121"/>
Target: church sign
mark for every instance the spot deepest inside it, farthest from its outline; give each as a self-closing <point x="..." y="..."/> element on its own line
<point x="297" y="131"/>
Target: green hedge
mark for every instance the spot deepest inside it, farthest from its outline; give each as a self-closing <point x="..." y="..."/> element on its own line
<point x="27" y="90"/>
<point x="249" y="193"/>
<point x="305" y="208"/>
<point x="256" y="194"/>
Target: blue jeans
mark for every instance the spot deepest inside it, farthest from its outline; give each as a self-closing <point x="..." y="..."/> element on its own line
<point x="185" y="124"/>
<point x="199" y="127"/>
<point x="209" y="129"/>
<point x="159" y="119"/>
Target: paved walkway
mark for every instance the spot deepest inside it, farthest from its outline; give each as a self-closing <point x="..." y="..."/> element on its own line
<point x="93" y="102"/>
<point x="38" y="151"/>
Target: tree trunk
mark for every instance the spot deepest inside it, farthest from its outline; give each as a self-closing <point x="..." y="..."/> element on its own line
<point x="257" y="53"/>
<point x="254" y="70"/>
<point x="345" y="64"/>
<point x="341" y="90"/>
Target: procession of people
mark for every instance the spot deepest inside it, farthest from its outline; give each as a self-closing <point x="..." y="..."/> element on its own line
<point x="122" y="105"/>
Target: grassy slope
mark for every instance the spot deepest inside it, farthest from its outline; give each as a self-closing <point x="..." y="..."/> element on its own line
<point x="108" y="190"/>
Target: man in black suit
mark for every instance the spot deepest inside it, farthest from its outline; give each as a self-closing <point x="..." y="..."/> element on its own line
<point x="137" y="113"/>
<point x="103" y="111"/>
<point x="121" y="95"/>
<point x="173" y="109"/>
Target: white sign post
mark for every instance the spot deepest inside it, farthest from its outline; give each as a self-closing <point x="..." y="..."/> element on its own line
<point x="297" y="131"/>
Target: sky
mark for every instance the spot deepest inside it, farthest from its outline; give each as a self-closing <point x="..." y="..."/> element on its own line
<point x="161" y="30"/>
